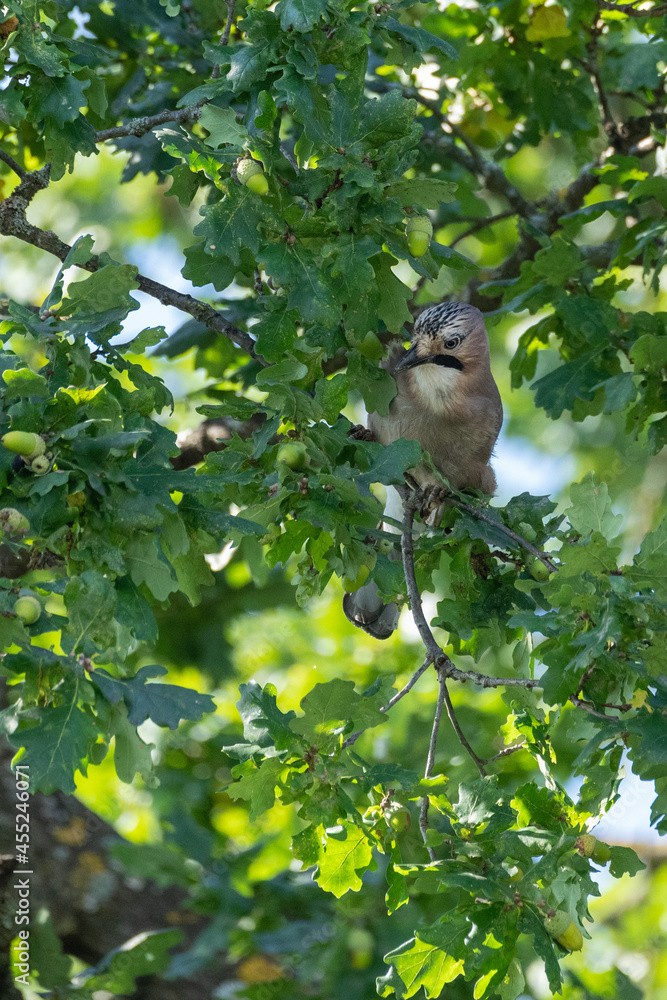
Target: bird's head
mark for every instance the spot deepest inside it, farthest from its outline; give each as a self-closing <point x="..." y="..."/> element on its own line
<point x="449" y="347"/>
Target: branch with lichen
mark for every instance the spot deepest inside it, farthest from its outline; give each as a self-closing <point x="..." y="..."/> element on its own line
<point x="13" y="222"/>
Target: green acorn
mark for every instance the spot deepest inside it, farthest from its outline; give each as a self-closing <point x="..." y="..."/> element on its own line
<point x="40" y="465"/>
<point x="590" y="847"/>
<point x="294" y="455"/>
<point x="12" y="522"/>
<point x="564" y="930"/>
<point x="24" y="443"/>
<point x="251" y="174"/>
<point x="419" y="231"/>
<point x="28" y="609"/>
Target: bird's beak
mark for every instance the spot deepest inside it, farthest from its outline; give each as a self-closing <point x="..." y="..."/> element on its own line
<point x="411" y="360"/>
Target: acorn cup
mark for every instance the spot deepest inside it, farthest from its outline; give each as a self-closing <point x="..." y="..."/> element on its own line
<point x="251" y="174"/>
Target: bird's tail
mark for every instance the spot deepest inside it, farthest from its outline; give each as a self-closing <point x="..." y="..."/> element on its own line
<point x="365" y="608"/>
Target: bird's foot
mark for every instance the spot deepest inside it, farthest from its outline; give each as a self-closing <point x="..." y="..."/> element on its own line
<point x="360" y="433"/>
<point x="429" y="502"/>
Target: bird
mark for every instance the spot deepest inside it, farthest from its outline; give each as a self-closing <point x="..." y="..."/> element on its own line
<point x="448" y="401"/>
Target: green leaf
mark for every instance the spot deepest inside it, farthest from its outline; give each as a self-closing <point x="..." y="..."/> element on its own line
<point x="375" y="384"/>
<point x="649" y="353"/>
<point x="329" y="708"/>
<point x="257" y="785"/>
<point x="422" y="192"/>
<point x="165" y="704"/>
<point x="391" y="464"/>
<point x="624" y="861"/>
<point x="394" y="294"/>
<point x="232" y="224"/>
<point x="223" y="127"/>
<point x="300" y="15"/>
<point x="145" y="954"/>
<point x="345" y="855"/>
<point x="434" y="957"/>
<point x="131" y="755"/>
<point x="420" y="39"/>
<point x="591" y="508"/>
<point x="57" y="748"/>
<point x="561" y="388"/>
<point x="263" y="722"/>
<point x="275" y="333"/>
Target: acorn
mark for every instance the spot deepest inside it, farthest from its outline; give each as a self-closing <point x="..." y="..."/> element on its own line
<point x="28" y="609"/>
<point x="251" y="174"/>
<point x="24" y="443"/>
<point x="12" y="522"/>
<point x="385" y="546"/>
<point x="564" y="930"/>
<point x="40" y="465"/>
<point x="398" y="817"/>
<point x="538" y="570"/>
<point x="294" y="455"/>
<point x="590" y="847"/>
<point x="419" y="231"/>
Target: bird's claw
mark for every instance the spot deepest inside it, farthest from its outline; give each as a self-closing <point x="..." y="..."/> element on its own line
<point x="360" y="433"/>
<point x="429" y="501"/>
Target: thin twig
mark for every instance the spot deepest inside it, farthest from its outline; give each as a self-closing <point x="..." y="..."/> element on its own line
<point x="461" y="735"/>
<point x="588" y="706"/>
<point x="481" y="224"/>
<point x="407" y="549"/>
<point x="430" y="759"/>
<point x="506" y="751"/>
<point x="411" y="683"/>
<point x="13" y="222"/>
<point x="481" y="515"/>
<point x="231" y="6"/>
<point x="6" y="158"/>
<point x="392" y="701"/>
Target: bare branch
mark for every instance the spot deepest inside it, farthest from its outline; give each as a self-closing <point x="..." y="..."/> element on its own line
<point x="481" y="515"/>
<point x="13" y="222"/>
<point x="139" y="126"/>
<point x="483" y="680"/>
<point x="231" y="7"/>
<point x="506" y="751"/>
<point x="479" y="763"/>
<point x="6" y="158"/>
<point x="407" y="549"/>
<point x="430" y="759"/>
<point x="411" y="683"/>
<point x="589" y="706"/>
<point x="392" y="701"/>
<point x="481" y="224"/>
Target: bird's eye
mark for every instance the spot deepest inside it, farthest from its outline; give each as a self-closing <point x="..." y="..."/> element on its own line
<point x="452" y="343"/>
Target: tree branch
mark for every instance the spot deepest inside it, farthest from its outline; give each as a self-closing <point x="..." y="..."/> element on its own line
<point x="461" y="735"/>
<point x="139" y="126"/>
<point x="13" y="222"/>
<point x="480" y="224"/>
<point x="430" y="759"/>
<point x="480" y="514"/>
<point x="6" y="158"/>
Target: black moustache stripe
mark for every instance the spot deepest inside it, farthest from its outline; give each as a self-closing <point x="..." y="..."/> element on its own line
<point x="444" y="360"/>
